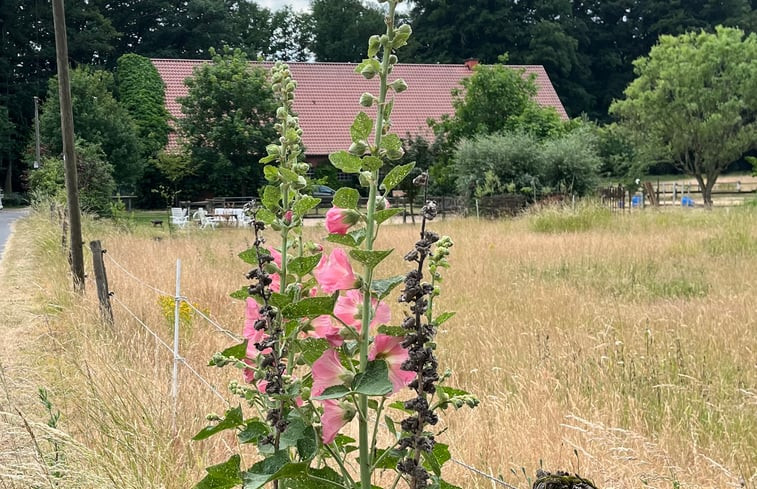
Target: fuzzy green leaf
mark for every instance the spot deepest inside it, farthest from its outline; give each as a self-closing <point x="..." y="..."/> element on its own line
<point x="333" y="392"/>
<point x="346" y="198"/>
<point x="241" y="294"/>
<point x="310" y="307"/>
<point x="263" y="472"/>
<point x="271" y="173"/>
<point x="265" y="216"/>
<point x="443" y="317"/>
<point x="279" y="300"/>
<point x="374" y="381"/>
<point x="372" y="163"/>
<point x="237" y="351"/>
<point x="438" y="456"/>
<point x="398" y="331"/>
<point x="271" y="197"/>
<point x="351" y="239"/>
<point x="370" y="258"/>
<point x="254" y="430"/>
<point x="346" y="162"/>
<point x="396" y="175"/>
<point x="232" y="419"/>
<point x="381" y="216"/>
<point x="302" y="265"/>
<point x="387" y="460"/>
<point x="312" y="349"/>
<point x="305" y="204"/>
<point x="222" y="476"/>
<point x="249" y="256"/>
<point x="384" y="286"/>
<point x="324" y="478"/>
<point x="288" y="175"/>
<point x="361" y="128"/>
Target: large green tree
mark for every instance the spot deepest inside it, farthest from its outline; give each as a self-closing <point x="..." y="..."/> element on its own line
<point x="228" y="121"/>
<point x="98" y="119"/>
<point x="694" y="102"/>
<point x="341" y="27"/>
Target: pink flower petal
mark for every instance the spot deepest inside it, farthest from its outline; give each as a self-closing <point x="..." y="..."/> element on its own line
<point x="334" y="272"/>
<point x="327" y="371"/>
<point x="349" y="309"/>
<point x="333" y="420"/>
<point x="389" y="349"/>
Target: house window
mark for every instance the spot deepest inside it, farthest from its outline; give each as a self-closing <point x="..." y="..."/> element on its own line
<point x="344" y="177"/>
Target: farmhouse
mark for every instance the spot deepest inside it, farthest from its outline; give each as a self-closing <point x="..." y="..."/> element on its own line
<point x="328" y="93"/>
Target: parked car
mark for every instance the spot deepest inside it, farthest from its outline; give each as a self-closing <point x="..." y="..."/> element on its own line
<point x="323" y="191"/>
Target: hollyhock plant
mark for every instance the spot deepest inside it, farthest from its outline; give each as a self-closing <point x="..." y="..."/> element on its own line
<point x="335" y="416"/>
<point x="339" y="221"/>
<point x="349" y="310"/>
<point x="389" y="349"/>
<point x="328" y="371"/>
<point x="334" y="272"/>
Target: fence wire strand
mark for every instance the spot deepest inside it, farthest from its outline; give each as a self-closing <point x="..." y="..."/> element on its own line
<point x="482" y="473"/>
<point x="134" y="277"/>
<point x="212" y="322"/>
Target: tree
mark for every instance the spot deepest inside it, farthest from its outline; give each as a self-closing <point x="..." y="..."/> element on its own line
<point x="694" y="102"/>
<point x="341" y="27"/>
<point x="142" y="93"/>
<point x="228" y="121"/>
<point x="98" y="119"/>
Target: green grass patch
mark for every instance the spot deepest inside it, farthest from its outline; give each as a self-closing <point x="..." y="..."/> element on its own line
<point x="584" y="217"/>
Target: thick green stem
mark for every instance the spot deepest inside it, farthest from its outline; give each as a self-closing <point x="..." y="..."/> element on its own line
<point x="365" y="449"/>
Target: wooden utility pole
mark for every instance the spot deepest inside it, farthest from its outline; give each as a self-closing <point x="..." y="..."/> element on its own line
<point x="69" y="155"/>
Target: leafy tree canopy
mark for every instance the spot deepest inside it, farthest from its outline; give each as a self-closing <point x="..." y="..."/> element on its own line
<point x="228" y="121"/>
<point x="694" y="102"/>
<point x="99" y="120"/>
<point x="141" y="92"/>
<point x="341" y="27"/>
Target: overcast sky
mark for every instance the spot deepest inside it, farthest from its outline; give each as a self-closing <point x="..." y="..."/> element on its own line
<point x="277" y="4"/>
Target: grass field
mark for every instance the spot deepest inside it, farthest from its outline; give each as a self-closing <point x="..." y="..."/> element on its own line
<point x="623" y="347"/>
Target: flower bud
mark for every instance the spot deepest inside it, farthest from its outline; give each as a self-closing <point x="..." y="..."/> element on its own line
<point x="399" y="85"/>
<point x="367" y="99"/>
<point x="393" y="59"/>
<point x="365" y="178"/>
<point x="281" y="113"/>
<point x="368" y="72"/>
<point x="358" y="148"/>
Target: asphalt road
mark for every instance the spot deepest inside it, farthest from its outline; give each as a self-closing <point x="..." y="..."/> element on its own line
<point x="7" y="216"/>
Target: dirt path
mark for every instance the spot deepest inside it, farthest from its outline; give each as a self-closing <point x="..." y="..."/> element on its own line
<point x="21" y="463"/>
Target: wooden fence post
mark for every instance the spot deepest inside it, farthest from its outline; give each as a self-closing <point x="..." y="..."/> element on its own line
<point x="101" y="279"/>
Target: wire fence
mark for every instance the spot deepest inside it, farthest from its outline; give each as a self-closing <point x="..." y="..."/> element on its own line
<point x="220" y="328"/>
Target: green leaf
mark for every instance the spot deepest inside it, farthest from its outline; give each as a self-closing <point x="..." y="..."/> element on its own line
<point x="387" y="460"/>
<point x="346" y="162"/>
<point x="302" y="265"/>
<point x="313" y="348"/>
<point x="237" y="351"/>
<point x="253" y="431"/>
<point x="266" y="216"/>
<point x="242" y="293"/>
<point x="373" y="63"/>
<point x="391" y="142"/>
<point x="232" y="419"/>
<point x="310" y="308"/>
<point x="294" y="431"/>
<point x="346" y="198"/>
<point x="438" y="456"/>
<point x="372" y="163"/>
<point x="271" y="173"/>
<point x="351" y="239"/>
<point x="333" y="392"/>
<point x="307" y="444"/>
<point x="399" y="405"/>
<point x="374" y="381"/>
<point x="249" y="256"/>
<point x="396" y="175"/>
<point x="271" y="197"/>
<point x="361" y="128"/>
<point x="268" y="159"/>
<point x="442" y="318"/>
<point x="398" y="331"/>
<point x="389" y="422"/>
<point x="446" y="485"/>
<point x="279" y="300"/>
<point x="324" y="478"/>
<point x="452" y="392"/>
<point x="384" y="286"/>
<point x="370" y="258"/>
<point x="288" y="175"/>
<point x="272" y="468"/>
<point x="222" y="476"/>
<point x="381" y="216"/>
<point x="305" y="204"/>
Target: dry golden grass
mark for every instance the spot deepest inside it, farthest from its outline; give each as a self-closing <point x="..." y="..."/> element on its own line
<point x="625" y="351"/>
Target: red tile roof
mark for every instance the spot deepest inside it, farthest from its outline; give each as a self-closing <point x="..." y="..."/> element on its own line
<point x="328" y="93"/>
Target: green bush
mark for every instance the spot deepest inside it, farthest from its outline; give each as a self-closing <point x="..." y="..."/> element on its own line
<point x="95" y="179"/>
<point x="571" y="162"/>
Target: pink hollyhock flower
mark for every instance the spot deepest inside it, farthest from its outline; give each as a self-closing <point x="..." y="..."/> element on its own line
<point x="262" y="385"/>
<point x="338" y="220"/>
<point x="349" y="309"/>
<point x="328" y="371"/>
<point x="335" y="415"/>
<point x="252" y="314"/>
<point x="276" y="256"/>
<point x="275" y="282"/>
<point x="324" y="327"/>
<point x="249" y="374"/>
<point x="388" y="348"/>
<point x="335" y="272"/>
<point x="288" y="215"/>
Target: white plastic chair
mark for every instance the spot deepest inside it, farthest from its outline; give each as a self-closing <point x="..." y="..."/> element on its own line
<point x="205" y="220"/>
<point x="179" y="217"/>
